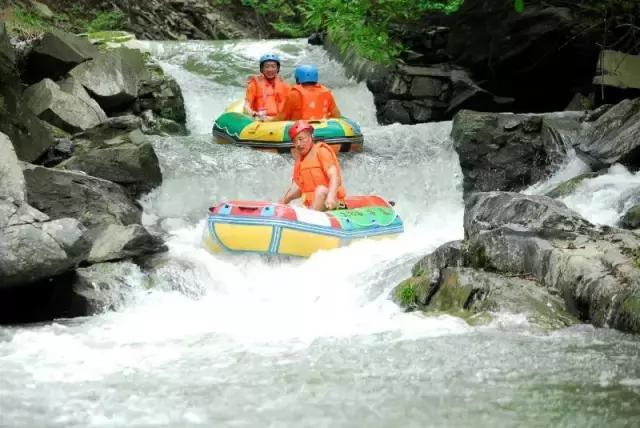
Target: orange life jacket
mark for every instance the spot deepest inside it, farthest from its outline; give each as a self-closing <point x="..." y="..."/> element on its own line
<point x="317" y="101"/>
<point x="308" y="174"/>
<point x="269" y="96"/>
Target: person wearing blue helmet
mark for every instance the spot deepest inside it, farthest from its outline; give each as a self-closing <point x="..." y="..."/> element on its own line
<point x="308" y="99"/>
<point x="266" y="92"/>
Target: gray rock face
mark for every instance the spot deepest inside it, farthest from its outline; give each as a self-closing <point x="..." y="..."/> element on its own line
<point x="33" y="247"/>
<point x="120" y="242"/>
<point x="614" y="136"/>
<point x="29" y="137"/>
<point x="502" y="151"/>
<point x="55" y="54"/>
<point x="11" y="179"/>
<point x="128" y="160"/>
<point x="97" y="203"/>
<point x="162" y="95"/>
<point x="70" y="109"/>
<point x="535" y="214"/>
<point x="112" y="78"/>
<point x="105" y="286"/>
<point x="595" y="272"/>
<point x="631" y="218"/>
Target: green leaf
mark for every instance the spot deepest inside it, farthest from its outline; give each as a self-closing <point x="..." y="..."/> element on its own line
<point x="519" y="5"/>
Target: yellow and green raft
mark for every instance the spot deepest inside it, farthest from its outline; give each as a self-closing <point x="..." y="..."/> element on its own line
<point x="235" y="127"/>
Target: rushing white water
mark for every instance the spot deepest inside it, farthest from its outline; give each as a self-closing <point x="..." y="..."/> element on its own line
<point x="204" y="340"/>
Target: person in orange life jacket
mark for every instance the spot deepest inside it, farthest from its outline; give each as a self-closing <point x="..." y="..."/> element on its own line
<point x="266" y="92"/>
<point x="308" y="100"/>
<point x="317" y="177"/>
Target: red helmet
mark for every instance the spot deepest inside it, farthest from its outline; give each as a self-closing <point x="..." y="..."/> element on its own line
<point x="299" y="126"/>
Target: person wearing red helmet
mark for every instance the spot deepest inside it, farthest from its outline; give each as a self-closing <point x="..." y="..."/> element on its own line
<point x="317" y="177"/>
<point x="266" y="92"/>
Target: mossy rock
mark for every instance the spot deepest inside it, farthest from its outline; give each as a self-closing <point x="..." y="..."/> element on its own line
<point x="412" y="293"/>
<point x="631" y="218"/>
<point x="110" y="37"/>
<point x="567" y="187"/>
<point x="628" y="318"/>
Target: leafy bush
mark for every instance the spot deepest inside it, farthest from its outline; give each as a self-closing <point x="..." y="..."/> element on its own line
<point x="106" y="21"/>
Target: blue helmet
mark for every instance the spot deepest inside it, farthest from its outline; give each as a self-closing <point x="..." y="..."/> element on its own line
<point x="269" y="57"/>
<point x="306" y="74"/>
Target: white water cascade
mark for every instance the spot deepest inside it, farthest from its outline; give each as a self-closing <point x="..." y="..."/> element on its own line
<point x="204" y="340"/>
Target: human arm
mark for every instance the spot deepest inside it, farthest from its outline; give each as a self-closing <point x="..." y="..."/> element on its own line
<point x="334" y="182"/>
<point x="249" y="97"/>
<point x="292" y="193"/>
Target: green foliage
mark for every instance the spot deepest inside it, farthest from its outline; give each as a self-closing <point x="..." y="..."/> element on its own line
<point x="363" y="25"/>
<point x="24" y="21"/>
<point x="105" y="21"/>
<point x="406" y="295"/>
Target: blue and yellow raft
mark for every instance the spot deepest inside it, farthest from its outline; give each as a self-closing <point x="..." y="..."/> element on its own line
<point x="272" y="228"/>
<point x="235" y="127"/>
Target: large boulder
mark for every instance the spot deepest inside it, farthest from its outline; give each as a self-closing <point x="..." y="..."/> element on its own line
<point x="503" y="151"/>
<point x="11" y="179"/>
<point x="105" y="286"/>
<point x="128" y="160"/>
<point x="112" y="219"/>
<point x="613" y="137"/>
<point x="97" y="203"/>
<point x="120" y="242"/>
<point x="537" y="239"/>
<point x="162" y="95"/>
<point x="113" y="78"/>
<point x="28" y="135"/>
<point x="68" y="106"/>
<point x="534" y="214"/>
<point x="33" y="247"/>
<point x="55" y="54"/>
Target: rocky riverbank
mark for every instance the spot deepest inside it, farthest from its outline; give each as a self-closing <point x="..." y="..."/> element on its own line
<point x="528" y="253"/>
<point x="489" y="57"/>
<point x="74" y="159"/>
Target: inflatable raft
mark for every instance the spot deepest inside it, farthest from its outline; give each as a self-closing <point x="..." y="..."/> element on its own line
<point x="272" y="228"/>
<point x="235" y="127"/>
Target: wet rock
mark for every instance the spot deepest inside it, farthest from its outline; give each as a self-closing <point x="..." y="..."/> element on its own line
<point x="502" y="151"/>
<point x="28" y="135"/>
<point x="631" y="218"/>
<point x="394" y="111"/>
<point x="579" y="102"/>
<point x="33" y="247"/>
<point x="12" y="183"/>
<point x="595" y="272"/>
<point x="56" y="54"/>
<point x="68" y="107"/>
<point x="112" y="78"/>
<point x="127" y="159"/>
<point x="61" y="151"/>
<point x="613" y="137"/>
<point x="105" y="286"/>
<point x="568" y="187"/>
<point x="531" y="213"/>
<point x="97" y="203"/>
<point x="120" y="242"/>
<point x="162" y="95"/>
<point x="316" y="39"/>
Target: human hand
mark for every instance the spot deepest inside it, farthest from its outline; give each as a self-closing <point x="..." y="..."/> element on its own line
<point x="331" y="202"/>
